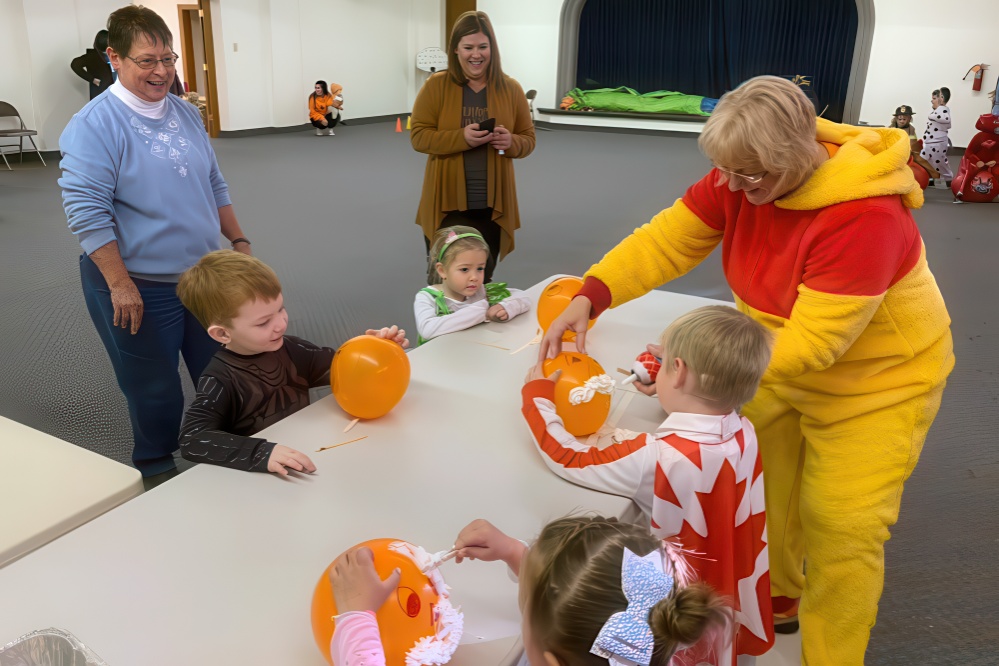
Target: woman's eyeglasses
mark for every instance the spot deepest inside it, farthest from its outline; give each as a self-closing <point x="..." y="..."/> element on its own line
<point x="752" y="179"/>
<point x="150" y="63"/>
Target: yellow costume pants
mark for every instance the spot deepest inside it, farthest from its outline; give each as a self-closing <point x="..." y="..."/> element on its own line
<point x="833" y="470"/>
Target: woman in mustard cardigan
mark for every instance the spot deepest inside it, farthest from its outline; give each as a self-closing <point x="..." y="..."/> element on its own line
<point x="469" y="177"/>
<point x="819" y="245"/>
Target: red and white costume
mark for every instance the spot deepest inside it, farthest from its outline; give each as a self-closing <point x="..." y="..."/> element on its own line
<point x="700" y="480"/>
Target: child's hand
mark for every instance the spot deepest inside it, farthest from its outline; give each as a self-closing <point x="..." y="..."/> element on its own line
<point x="538" y="372"/>
<point x="497" y="313"/>
<point x="650" y="389"/>
<point x="481" y="540"/>
<point x="284" y="458"/>
<point x="393" y="333"/>
<point x="356" y="584"/>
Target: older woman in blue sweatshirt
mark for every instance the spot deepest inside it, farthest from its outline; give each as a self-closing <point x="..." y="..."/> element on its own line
<point x="144" y="195"/>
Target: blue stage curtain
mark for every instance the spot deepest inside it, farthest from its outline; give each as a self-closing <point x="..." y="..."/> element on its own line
<point x="708" y="47"/>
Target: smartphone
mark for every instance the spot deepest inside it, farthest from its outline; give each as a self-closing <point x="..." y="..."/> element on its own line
<point x="487" y="125"/>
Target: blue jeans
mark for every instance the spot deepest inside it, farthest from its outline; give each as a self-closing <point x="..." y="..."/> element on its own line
<point x="147" y="364"/>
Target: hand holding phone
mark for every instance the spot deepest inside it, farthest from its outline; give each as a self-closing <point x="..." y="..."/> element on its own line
<point x="487" y="125"/>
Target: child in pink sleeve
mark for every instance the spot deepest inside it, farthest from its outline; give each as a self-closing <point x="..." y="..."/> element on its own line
<point x="646" y="610"/>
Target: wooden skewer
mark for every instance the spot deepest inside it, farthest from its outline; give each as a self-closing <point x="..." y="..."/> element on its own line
<point x="533" y="341"/>
<point x="351" y="425"/>
<point x="333" y="446"/>
<point x="486" y="344"/>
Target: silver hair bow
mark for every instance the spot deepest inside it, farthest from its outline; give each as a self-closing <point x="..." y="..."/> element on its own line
<point x="626" y="638"/>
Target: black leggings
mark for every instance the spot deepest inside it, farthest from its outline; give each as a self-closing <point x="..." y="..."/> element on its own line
<point x="480" y="219"/>
<point x="330" y="119"/>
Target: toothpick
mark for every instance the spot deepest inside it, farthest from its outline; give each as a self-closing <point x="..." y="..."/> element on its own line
<point x="533" y="341"/>
<point x="486" y="344"/>
<point x="333" y="446"/>
<point x="351" y="425"/>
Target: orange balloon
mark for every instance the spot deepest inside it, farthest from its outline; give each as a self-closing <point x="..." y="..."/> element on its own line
<point x="587" y="417"/>
<point x="554" y="299"/>
<point x="407" y="616"/>
<point x="369" y="376"/>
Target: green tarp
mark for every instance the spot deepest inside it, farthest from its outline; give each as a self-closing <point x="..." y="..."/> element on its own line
<point x="628" y="100"/>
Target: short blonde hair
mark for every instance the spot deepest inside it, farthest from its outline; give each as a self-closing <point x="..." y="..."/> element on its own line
<point x="216" y="287"/>
<point x="442" y="252"/>
<point x="765" y="125"/>
<point x="572" y="576"/>
<point x="725" y="351"/>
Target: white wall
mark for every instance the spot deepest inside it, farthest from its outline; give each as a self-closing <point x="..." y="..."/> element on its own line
<point x="38" y="39"/>
<point x="369" y="46"/>
<point x="284" y="46"/>
<point x="15" y="81"/>
<point x="275" y="50"/>
<point x="917" y="47"/>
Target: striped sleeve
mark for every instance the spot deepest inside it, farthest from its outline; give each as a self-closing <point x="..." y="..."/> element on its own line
<point x="620" y="469"/>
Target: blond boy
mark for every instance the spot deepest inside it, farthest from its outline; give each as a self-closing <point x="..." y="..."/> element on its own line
<point x="699" y="476"/>
<point x="260" y="376"/>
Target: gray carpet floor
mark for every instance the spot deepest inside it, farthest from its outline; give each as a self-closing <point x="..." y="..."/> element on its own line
<point x="334" y="217"/>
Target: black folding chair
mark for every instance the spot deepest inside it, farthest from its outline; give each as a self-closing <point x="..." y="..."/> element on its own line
<point x="531" y="95"/>
<point x="8" y="111"/>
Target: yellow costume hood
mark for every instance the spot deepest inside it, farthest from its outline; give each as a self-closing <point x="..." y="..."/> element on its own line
<point x="869" y="162"/>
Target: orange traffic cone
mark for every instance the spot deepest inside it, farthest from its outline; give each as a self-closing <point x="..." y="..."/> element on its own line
<point x="398" y="125"/>
<point x="409" y="122"/>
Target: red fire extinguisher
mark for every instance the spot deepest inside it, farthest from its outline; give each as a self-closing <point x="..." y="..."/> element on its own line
<point x="976" y="83"/>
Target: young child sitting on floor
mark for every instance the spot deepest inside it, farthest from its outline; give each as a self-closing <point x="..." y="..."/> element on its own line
<point x="576" y="582"/>
<point x="699" y="476"/>
<point x="458" y="297"/>
<point x="259" y="376"/>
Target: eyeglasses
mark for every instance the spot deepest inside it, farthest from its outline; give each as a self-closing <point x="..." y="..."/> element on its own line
<point x="751" y="179"/>
<point x="150" y="63"/>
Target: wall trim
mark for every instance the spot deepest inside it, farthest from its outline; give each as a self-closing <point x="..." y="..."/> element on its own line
<point x="258" y="131"/>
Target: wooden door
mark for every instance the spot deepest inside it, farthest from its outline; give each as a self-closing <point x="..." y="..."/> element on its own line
<point x="211" y="95"/>
<point x="187" y="54"/>
<point x="452" y="11"/>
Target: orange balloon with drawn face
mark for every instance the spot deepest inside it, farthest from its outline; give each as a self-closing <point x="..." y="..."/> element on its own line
<point x="369" y="376"/>
<point x="554" y="299"/>
<point x="587" y="417"/>
<point x="410" y="614"/>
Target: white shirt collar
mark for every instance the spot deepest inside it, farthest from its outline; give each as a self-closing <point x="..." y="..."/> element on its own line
<point x="153" y="110"/>
<point x="702" y="428"/>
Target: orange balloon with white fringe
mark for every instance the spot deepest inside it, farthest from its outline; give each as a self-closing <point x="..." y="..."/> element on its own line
<point x="554" y="299"/>
<point x="416" y="620"/>
<point x="369" y="376"/>
<point x="585" y="417"/>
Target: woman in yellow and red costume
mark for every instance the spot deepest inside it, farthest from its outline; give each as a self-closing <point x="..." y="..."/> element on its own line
<point x="818" y="244"/>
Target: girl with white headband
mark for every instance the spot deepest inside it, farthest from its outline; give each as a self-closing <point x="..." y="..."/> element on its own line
<point x="457" y="296"/>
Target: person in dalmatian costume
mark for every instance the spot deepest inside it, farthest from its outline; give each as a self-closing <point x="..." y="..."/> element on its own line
<point x="935" y="140"/>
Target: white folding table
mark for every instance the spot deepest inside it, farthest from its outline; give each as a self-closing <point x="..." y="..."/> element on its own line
<point x="49" y="487"/>
<point x="218" y="566"/>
